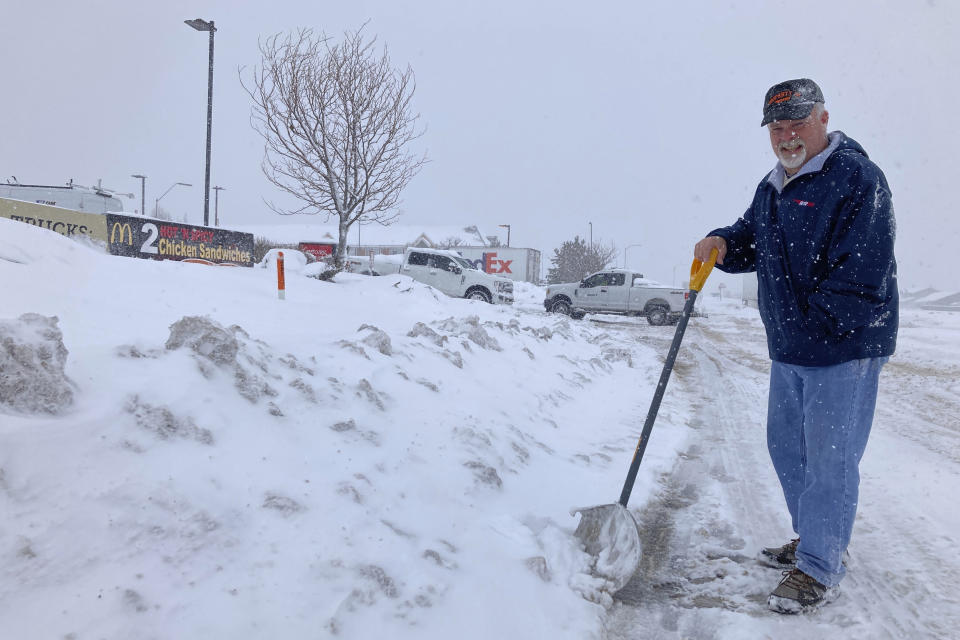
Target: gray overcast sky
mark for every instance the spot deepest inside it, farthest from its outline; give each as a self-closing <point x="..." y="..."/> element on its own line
<point x="642" y="118"/>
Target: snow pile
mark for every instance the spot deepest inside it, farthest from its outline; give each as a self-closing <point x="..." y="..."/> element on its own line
<point x="32" y="366"/>
<point x="293" y="260"/>
<point x="528" y="296"/>
<point x="366" y="457"/>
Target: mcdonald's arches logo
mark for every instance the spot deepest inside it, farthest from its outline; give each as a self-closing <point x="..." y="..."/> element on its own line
<point x="124" y="229"/>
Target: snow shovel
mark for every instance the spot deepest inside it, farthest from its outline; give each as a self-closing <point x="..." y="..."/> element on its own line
<point x="609" y="532"/>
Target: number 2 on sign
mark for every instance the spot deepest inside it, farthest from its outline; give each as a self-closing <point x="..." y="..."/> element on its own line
<point x="148" y="246"/>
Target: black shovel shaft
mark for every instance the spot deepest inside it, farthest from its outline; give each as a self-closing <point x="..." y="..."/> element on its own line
<point x="657" y="398"/>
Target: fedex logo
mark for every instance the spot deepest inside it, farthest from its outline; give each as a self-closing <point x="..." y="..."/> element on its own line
<point x="489" y="263"/>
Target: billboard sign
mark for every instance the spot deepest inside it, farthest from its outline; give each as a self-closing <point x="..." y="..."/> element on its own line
<point x="138" y="237"/>
<point x="162" y="240"/>
<point x="72" y="224"/>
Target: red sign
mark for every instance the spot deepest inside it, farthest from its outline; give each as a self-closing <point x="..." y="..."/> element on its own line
<point x="318" y="250"/>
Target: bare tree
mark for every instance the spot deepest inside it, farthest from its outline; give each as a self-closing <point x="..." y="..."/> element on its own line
<point x="337" y="123"/>
<point x="575" y="259"/>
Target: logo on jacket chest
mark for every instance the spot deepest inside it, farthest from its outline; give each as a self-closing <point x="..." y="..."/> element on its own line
<point x="804" y="203"/>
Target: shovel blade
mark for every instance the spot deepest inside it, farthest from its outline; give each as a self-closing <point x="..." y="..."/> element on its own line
<point x="609" y="534"/>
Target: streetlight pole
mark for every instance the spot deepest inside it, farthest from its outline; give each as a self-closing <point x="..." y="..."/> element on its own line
<point x="143" y="193"/>
<point x="216" y="206"/>
<point x="508" y="232"/>
<point x="156" y="205"/>
<point x="203" y="25"/>
<point x="591" y="234"/>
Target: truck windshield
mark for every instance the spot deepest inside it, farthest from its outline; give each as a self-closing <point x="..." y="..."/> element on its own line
<point x="466" y="264"/>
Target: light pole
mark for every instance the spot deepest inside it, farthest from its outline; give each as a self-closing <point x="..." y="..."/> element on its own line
<point x="143" y="193"/>
<point x="156" y="205"/>
<point x="508" y="232"/>
<point x="625" y="253"/>
<point x="591" y="234"/>
<point x="216" y="206"/>
<point x="203" y="25"/>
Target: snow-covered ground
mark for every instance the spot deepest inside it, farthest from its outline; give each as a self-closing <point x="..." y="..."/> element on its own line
<point x="368" y="458"/>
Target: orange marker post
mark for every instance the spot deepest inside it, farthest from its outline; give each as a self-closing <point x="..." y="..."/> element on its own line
<point x="281" y="289"/>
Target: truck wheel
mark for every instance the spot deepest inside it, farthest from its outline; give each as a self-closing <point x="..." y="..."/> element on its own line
<point x="479" y="294"/>
<point x="560" y="306"/>
<point x="658" y="316"/>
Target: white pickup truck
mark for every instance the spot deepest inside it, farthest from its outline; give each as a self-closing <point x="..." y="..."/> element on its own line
<point x="617" y="291"/>
<point x="454" y="275"/>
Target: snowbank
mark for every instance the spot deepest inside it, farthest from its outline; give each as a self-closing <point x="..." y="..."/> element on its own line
<point x="366" y="457"/>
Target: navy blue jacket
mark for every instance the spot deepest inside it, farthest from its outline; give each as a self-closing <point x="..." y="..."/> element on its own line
<point x="823" y="252"/>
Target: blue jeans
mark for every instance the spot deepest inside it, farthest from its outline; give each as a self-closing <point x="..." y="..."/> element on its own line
<point x="818" y="421"/>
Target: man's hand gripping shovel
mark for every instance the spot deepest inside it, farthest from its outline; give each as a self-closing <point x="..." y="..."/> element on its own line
<point x="609" y="532"/>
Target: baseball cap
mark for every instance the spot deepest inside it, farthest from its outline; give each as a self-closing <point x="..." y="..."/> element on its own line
<point x="790" y="100"/>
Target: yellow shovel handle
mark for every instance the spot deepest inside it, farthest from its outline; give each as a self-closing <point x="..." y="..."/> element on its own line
<point x="700" y="270"/>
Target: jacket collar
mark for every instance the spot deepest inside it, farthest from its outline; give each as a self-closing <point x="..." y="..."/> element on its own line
<point x="813" y="165"/>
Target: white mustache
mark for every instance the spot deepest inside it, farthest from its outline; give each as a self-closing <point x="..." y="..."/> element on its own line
<point x="791" y="145"/>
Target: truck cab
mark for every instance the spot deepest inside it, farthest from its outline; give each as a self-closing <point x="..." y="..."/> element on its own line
<point x="604" y="291"/>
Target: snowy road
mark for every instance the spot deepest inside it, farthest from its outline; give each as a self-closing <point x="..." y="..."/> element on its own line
<point x="721" y="502"/>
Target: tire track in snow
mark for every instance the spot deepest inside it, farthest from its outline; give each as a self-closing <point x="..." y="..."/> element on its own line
<point x="694" y="544"/>
<point x="905" y="538"/>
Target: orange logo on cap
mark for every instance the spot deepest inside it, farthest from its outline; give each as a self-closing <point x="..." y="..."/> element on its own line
<point x="779" y="98"/>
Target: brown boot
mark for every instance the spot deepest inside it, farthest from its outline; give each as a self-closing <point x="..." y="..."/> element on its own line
<point x="798" y="592"/>
<point x="784" y="557"/>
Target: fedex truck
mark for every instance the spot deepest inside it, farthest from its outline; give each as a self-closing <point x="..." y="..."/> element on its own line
<point x="521" y="265"/>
